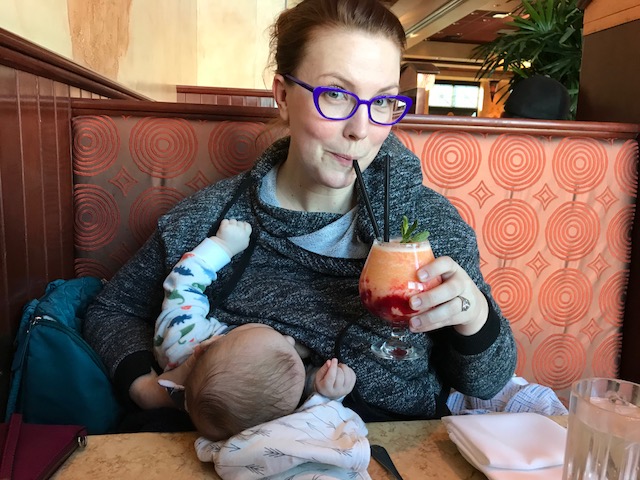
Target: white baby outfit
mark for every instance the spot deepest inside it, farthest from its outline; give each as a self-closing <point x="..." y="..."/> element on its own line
<point x="322" y="440"/>
<point x="184" y="321"/>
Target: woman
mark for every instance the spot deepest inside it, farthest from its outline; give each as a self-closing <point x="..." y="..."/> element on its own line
<point x="312" y="233"/>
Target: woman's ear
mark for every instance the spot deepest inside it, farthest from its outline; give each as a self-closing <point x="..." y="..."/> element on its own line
<point x="280" y="95"/>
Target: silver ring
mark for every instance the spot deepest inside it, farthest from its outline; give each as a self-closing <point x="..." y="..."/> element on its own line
<point x="466" y="304"/>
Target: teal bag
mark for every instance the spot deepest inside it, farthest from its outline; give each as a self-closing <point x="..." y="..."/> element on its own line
<point x="56" y="377"/>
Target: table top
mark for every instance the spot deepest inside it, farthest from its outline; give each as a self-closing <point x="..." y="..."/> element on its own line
<point x="420" y="450"/>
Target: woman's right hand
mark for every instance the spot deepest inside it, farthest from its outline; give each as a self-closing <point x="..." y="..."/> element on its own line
<point x="147" y="393"/>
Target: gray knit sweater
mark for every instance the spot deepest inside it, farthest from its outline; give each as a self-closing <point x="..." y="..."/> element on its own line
<point x="311" y="297"/>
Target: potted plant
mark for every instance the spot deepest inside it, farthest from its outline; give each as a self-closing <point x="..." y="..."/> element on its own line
<point x="546" y="40"/>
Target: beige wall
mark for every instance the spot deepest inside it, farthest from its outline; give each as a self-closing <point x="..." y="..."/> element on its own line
<point x="236" y="35"/>
<point x="42" y="21"/>
<point x="153" y="45"/>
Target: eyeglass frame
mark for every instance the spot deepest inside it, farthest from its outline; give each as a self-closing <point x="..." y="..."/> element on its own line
<point x="317" y="91"/>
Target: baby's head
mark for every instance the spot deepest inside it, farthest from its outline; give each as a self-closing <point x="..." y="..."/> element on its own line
<point x="250" y="376"/>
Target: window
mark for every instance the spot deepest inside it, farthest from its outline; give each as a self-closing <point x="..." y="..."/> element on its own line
<point x="454" y="98"/>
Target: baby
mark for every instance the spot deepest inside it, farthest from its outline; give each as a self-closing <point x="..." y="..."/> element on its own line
<point x="234" y="377"/>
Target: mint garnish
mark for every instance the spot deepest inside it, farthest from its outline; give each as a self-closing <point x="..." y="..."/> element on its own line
<point x="408" y="235"/>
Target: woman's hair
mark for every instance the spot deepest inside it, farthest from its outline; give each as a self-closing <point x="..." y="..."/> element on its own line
<point x="228" y="392"/>
<point x="293" y="29"/>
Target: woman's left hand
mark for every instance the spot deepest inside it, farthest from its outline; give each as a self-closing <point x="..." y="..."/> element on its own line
<point x="444" y="305"/>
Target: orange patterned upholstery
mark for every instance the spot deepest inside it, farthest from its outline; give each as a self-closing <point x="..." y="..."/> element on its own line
<point x="553" y="217"/>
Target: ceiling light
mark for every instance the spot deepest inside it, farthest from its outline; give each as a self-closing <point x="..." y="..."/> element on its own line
<point x="500" y="15"/>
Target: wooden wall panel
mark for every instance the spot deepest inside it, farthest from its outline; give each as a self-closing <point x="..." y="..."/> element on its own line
<point x="609" y="93"/>
<point x="35" y="196"/>
<point x="609" y="75"/>
<point x="36" y="209"/>
<point x="225" y="96"/>
<point x="602" y="14"/>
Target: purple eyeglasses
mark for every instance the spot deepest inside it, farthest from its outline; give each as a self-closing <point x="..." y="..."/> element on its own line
<point x="338" y="104"/>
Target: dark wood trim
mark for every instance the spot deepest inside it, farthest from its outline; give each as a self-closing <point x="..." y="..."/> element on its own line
<point x="242" y="92"/>
<point x="194" y="111"/>
<point x="582" y="4"/>
<point x="423" y="122"/>
<point x="522" y="126"/>
<point x="26" y="56"/>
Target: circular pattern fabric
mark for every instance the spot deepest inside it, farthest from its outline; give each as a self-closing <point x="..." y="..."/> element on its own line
<point x="521" y="358"/>
<point x="553" y="232"/>
<point x="611" y="298"/>
<point x="619" y="234"/>
<point x="233" y="146"/>
<point x="579" y="164"/>
<point x="516" y="162"/>
<point x="626" y="172"/>
<point x="606" y="357"/>
<point x="96" y="143"/>
<point x="512" y="290"/>
<point x="163" y="147"/>
<point x="565" y="297"/>
<point x="451" y="159"/>
<point x="148" y="207"/>
<point x="89" y="267"/>
<point x="559" y="361"/>
<point x="405" y="138"/>
<point x="572" y="231"/>
<point x="97" y="217"/>
<point x="510" y="229"/>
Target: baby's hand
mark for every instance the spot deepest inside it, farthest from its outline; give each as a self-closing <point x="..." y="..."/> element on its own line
<point x="334" y="380"/>
<point x="233" y="236"/>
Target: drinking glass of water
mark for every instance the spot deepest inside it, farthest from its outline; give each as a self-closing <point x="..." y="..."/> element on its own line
<point x="603" y="438"/>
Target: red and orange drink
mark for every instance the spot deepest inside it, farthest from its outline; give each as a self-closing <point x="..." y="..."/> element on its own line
<point x="388" y="280"/>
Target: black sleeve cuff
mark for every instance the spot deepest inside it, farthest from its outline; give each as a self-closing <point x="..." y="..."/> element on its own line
<point x="481" y="340"/>
<point x="131" y="367"/>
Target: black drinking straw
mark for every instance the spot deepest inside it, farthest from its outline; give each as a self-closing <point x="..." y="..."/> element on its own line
<point x="367" y="203"/>
<point x="387" y="180"/>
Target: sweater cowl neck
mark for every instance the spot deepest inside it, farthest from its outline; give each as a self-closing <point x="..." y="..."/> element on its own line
<point x="283" y="223"/>
<point x="280" y="222"/>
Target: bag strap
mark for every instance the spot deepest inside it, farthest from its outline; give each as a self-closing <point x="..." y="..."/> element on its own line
<point x="10" y="447"/>
<point x="242" y="264"/>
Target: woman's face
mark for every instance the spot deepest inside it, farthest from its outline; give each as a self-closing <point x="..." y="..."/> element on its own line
<point x="365" y="64"/>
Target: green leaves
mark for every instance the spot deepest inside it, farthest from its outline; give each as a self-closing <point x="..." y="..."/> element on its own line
<point x="408" y="235"/>
<point x="548" y="35"/>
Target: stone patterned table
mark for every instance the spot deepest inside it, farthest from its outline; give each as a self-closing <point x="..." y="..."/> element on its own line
<point x="421" y="450"/>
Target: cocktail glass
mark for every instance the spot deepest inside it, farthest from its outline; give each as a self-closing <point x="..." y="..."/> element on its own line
<point x="387" y="282"/>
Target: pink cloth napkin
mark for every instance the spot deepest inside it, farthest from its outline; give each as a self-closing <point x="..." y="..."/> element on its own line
<point x="510" y="446"/>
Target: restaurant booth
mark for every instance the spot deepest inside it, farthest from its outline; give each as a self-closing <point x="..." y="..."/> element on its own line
<point x="86" y="168"/>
